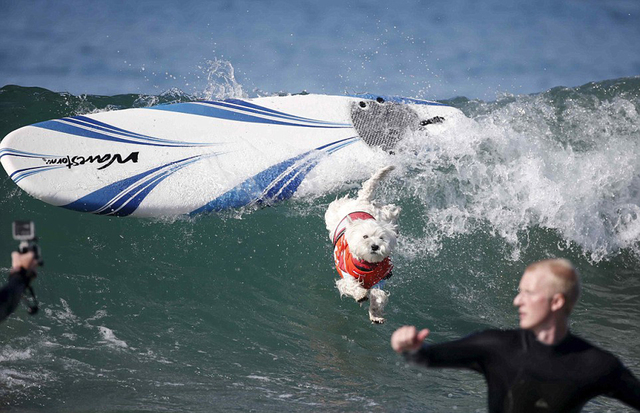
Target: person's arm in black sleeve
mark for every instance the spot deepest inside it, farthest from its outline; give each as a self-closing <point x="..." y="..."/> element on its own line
<point x="464" y="353"/>
<point x="22" y="272"/>
<point x="467" y="352"/>
<point x="626" y="388"/>
<point x="11" y="293"/>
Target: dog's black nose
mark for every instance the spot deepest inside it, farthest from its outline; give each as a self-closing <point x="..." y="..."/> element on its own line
<point x="374" y="247"/>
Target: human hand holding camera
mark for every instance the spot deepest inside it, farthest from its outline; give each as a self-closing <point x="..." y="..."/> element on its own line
<point x="24" y="261"/>
<point x="23" y="270"/>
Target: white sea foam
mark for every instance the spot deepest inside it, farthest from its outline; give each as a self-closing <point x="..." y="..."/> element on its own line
<point x="10" y="354"/>
<point x="64" y="316"/>
<point x="11" y="379"/>
<point x="110" y="338"/>
<point x="520" y="163"/>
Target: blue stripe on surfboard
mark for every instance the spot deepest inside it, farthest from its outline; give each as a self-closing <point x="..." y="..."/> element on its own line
<point x="122" y="198"/>
<point x="105" y="127"/>
<point x="251" y="191"/>
<point x="61" y="125"/>
<point x="252" y="107"/>
<point x="23" y="154"/>
<point x="208" y="110"/>
<point x="277" y="183"/>
<point x="258" y="110"/>
<point x="84" y="121"/>
<point x="398" y="99"/>
<point x="127" y="204"/>
<point x="333" y="146"/>
<point x="287" y="185"/>
<point x="19" y="175"/>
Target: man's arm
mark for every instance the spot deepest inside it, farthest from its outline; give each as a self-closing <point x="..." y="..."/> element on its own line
<point x="10" y="295"/>
<point x="468" y="352"/>
<point x="22" y="272"/>
<point x="627" y="388"/>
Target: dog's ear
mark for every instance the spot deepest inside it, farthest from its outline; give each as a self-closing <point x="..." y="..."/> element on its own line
<point x="349" y="220"/>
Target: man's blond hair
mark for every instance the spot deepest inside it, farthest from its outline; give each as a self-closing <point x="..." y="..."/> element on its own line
<point x="565" y="278"/>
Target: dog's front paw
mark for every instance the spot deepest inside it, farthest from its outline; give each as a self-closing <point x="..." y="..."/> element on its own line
<point x="376" y="320"/>
<point x="361" y="294"/>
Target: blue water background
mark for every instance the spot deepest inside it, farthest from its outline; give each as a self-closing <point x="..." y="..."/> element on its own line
<point x="428" y="49"/>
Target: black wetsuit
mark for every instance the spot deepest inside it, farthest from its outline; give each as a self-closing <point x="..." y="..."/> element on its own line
<point x="11" y="293"/>
<point x="524" y="375"/>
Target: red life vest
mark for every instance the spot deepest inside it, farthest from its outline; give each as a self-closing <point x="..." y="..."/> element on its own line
<point x="367" y="273"/>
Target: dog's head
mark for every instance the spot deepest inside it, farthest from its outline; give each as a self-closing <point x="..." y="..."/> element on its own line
<point x="370" y="240"/>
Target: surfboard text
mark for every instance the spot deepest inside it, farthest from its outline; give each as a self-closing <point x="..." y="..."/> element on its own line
<point x="105" y="160"/>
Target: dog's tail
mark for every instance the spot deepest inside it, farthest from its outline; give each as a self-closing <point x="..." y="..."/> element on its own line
<point x="366" y="193"/>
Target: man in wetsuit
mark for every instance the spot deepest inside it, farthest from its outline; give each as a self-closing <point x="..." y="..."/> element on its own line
<point x="541" y="367"/>
<point x="23" y="271"/>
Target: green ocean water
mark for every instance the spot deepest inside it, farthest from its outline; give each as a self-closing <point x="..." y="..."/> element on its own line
<point x="238" y="311"/>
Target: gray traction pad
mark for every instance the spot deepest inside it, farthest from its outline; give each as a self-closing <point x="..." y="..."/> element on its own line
<point x="383" y="124"/>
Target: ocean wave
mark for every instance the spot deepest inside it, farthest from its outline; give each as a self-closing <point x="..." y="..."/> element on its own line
<point x="565" y="160"/>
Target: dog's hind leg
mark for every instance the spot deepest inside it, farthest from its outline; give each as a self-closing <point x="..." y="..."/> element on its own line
<point x="378" y="299"/>
<point x="349" y="286"/>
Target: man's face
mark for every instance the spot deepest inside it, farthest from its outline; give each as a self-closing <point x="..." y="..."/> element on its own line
<point x="534" y="299"/>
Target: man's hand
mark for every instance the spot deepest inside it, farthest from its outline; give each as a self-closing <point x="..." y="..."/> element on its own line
<point x="26" y="261"/>
<point x="407" y="338"/>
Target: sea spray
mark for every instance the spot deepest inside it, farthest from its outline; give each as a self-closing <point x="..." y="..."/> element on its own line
<point x="221" y="81"/>
<point x="565" y="164"/>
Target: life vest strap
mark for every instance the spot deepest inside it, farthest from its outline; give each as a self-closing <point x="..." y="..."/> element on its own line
<point x="342" y="226"/>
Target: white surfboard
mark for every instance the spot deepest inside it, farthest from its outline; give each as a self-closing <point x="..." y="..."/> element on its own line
<point x="198" y="157"/>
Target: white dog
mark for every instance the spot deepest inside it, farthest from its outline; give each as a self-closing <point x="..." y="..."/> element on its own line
<point x="364" y="235"/>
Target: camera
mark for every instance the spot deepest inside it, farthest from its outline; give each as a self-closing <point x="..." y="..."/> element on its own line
<point x="25" y="232"/>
